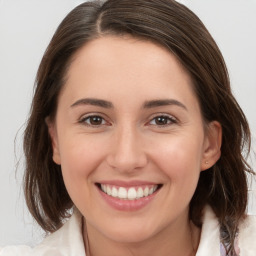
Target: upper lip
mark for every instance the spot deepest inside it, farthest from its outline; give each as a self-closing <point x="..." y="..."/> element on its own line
<point x="132" y="183"/>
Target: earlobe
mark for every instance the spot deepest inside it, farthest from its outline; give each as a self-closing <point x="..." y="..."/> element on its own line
<point x="212" y="145"/>
<point x="53" y="135"/>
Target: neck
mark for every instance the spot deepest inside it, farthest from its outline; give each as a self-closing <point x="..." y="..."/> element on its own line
<point x="179" y="242"/>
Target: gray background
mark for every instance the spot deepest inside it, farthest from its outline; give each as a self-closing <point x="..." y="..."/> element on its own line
<point x="26" y="27"/>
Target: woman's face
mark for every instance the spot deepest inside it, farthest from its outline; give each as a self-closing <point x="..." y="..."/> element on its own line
<point x="129" y="123"/>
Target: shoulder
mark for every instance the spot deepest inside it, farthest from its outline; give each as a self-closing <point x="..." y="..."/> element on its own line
<point x="210" y="235"/>
<point x="21" y="250"/>
<point x="247" y="236"/>
<point x="66" y="241"/>
<point x="209" y="240"/>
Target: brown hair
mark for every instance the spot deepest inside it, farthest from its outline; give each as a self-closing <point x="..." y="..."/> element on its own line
<point x="172" y="25"/>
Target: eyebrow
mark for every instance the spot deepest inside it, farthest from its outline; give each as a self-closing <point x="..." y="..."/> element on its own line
<point x="163" y="102"/>
<point x="147" y="104"/>
<point x="93" y="102"/>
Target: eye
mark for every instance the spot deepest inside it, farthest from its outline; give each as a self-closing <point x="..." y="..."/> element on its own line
<point x="163" y="120"/>
<point x="93" y="120"/>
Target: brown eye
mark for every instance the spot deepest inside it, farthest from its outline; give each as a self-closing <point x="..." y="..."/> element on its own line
<point x="162" y="120"/>
<point x="93" y="121"/>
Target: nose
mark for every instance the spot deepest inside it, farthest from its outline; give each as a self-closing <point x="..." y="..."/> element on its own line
<point x="127" y="152"/>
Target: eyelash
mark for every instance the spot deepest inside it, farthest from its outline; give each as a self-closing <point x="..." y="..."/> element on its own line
<point x="90" y="119"/>
<point x="167" y="119"/>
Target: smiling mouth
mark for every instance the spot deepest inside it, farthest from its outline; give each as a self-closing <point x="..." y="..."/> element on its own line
<point x="131" y="193"/>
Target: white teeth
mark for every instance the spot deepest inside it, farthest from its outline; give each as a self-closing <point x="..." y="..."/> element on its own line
<point x="140" y="193"/>
<point x="145" y="192"/>
<point x="122" y="193"/>
<point x="130" y="194"/>
<point x="109" y="191"/>
<point x="103" y="188"/>
<point x="114" y="192"/>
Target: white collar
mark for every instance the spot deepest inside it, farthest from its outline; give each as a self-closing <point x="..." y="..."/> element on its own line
<point x="210" y="234"/>
<point x="68" y="240"/>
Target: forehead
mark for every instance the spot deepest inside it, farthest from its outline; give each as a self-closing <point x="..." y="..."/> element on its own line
<point x="108" y="50"/>
<point x="109" y="65"/>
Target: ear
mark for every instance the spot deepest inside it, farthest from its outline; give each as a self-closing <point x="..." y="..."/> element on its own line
<point x="212" y="145"/>
<point x="54" y="139"/>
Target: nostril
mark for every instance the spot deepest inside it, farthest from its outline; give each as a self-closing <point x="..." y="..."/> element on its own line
<point x="127" y="162"/>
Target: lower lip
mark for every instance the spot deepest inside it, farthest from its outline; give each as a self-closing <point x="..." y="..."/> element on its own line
<point x="127" y="205"/>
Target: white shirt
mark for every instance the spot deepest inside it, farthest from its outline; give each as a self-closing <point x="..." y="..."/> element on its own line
<point x="68" y="240"/>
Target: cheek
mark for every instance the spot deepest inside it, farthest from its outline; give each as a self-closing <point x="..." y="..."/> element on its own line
<point x="180" y="159"/>
<point x="80" y="153"/>
<point x="180" y="163"/>
<point x="79" y="158"/>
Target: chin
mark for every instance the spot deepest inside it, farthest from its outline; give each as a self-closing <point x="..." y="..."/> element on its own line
<point x="129" y="234"/>
<point x="129" y="237"/>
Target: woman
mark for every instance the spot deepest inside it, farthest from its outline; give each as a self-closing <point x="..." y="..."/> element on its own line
<point x="133" y="126"/>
